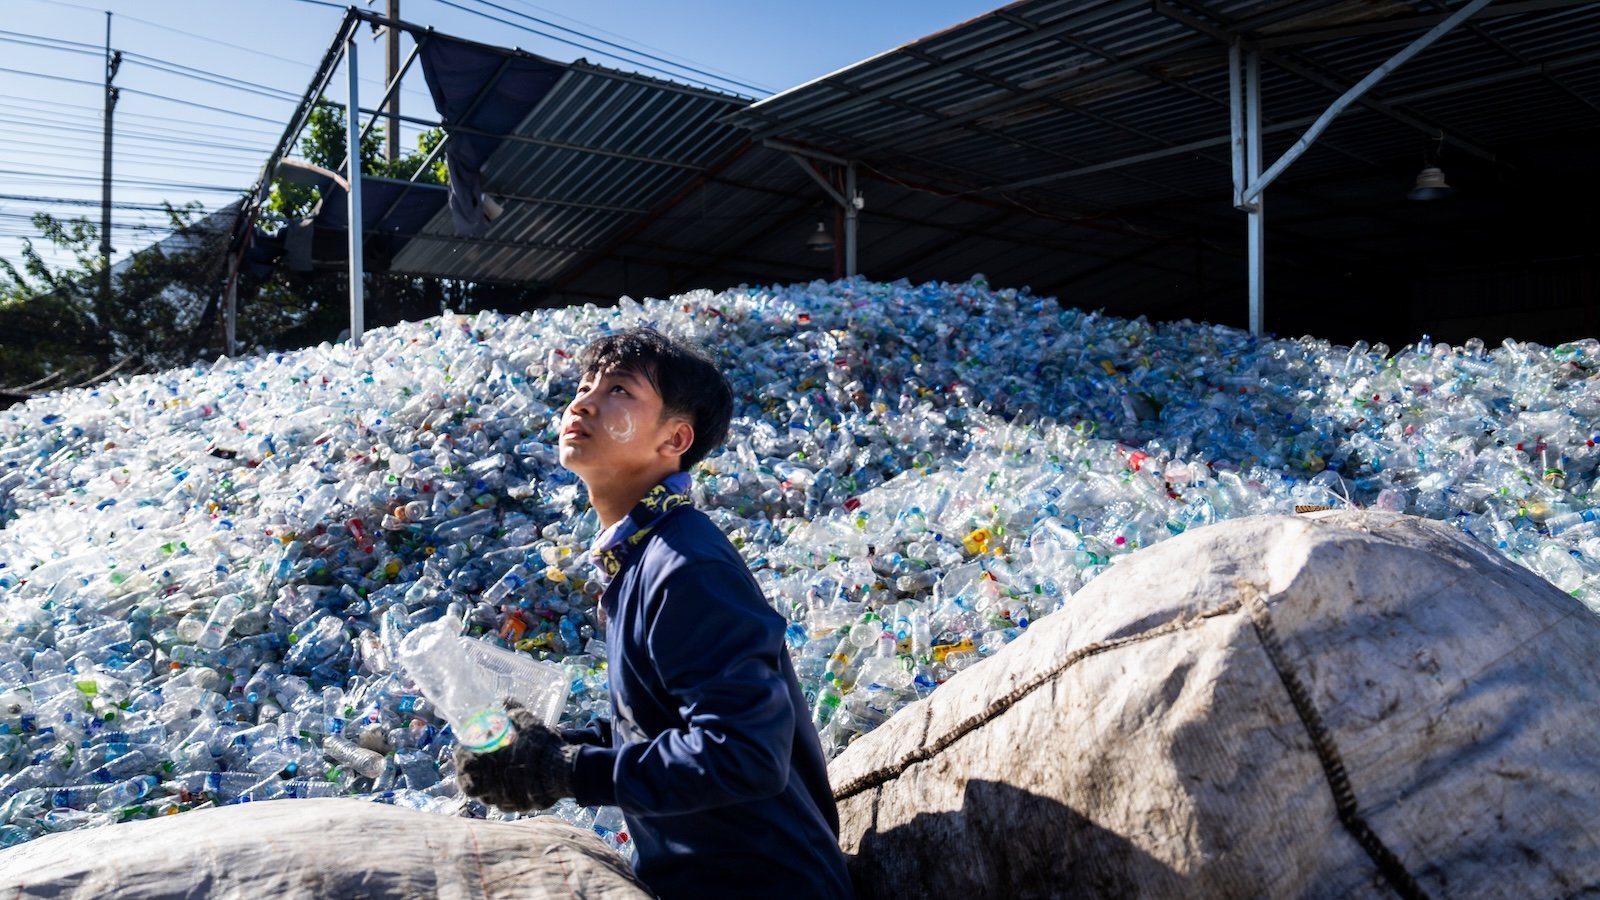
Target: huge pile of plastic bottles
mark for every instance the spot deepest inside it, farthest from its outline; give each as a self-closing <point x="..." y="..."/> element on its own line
<point x="205" y="573"/>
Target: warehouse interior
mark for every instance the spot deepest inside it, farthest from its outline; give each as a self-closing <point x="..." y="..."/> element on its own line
<point x="1084" y="150"/>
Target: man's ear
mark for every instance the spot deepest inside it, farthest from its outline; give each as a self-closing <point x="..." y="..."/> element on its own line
<point x="679" y="439"/>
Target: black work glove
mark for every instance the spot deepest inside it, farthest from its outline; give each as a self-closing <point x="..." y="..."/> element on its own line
<point x="533" y="772"/>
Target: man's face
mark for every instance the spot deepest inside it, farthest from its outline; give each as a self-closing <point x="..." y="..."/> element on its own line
<point x="613" y="426"/>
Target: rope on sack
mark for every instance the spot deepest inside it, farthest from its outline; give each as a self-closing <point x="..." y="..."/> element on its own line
<point x="1344" y="797"/>
<point x="927" y="751"/>
<point x="1349" y="813"/>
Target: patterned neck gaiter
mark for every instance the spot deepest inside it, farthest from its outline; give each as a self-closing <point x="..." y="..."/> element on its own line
<point x="612" y="547"/>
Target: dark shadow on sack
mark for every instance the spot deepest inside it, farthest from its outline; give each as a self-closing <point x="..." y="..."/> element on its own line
<point x="1005" y="842"/>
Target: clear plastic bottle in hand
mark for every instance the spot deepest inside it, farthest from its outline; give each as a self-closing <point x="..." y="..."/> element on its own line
<point x="468" y="681"/>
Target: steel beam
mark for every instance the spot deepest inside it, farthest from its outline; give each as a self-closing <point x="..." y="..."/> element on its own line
<point x="1455" y="87"/>
<point x="1409" y="23"/>
<point x="1259" y="184"/>
<point x="1230" y="32"/>
<point x="297" y="122"/>
<point x="427" y="161"/>
<point x="808" y="152"/>
<point x="829" y="189"/>
<point x="388" y="93"/>
<point x="1383" y="107"/>
<point x="845" y="201"/>
<point x="1236" y="123"/>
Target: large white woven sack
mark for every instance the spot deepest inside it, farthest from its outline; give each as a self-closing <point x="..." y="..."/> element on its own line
<point x="1346" y="704"/>
<point x="319" y="849"/>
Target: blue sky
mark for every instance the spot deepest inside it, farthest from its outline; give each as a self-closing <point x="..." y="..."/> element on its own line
<point x="209" y="84"/>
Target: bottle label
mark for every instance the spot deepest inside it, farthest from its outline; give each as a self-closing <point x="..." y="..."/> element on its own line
<point x="486" y="731"/>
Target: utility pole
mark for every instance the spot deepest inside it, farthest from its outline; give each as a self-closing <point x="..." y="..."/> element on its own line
<point x="113" y="61"/>
<point x="391" y="65"/>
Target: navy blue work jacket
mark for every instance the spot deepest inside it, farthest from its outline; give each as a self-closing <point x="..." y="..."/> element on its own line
<point x="712" y="756"/>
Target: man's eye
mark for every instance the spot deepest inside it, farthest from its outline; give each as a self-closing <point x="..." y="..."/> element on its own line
<point x="619" y="388"/>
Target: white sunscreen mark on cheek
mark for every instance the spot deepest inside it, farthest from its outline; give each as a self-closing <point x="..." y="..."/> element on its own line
<point x="623" y="433"/>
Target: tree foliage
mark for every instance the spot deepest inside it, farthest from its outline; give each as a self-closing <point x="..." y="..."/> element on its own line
<point x="324" y="145"/>
<point x="61" y="327"/>
<point x="58" y="328"/>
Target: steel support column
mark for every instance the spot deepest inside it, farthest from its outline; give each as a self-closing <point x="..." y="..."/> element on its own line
<point x="850" y="213"/>
<point x="352" y="121"/>
<point x="230" y="319"/>
<point x="1244" y="91"/>
<point x="1257" y="230"/>
<point x="1249" y="181"/>
<point x="1259" y="182"/>
<point x="849" y="201"/>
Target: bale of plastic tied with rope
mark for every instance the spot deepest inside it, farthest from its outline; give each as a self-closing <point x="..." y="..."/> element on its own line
<point x="1343" y="704"/>
<point x="308" y="849"/>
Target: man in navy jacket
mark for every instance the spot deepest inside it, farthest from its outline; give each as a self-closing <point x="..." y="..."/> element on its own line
<point x="711" y="755"/>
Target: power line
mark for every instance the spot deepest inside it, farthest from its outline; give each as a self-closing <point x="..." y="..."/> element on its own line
<point x="226" y="81"/>
<point x="658" y="70"/>
<point x="125" y="215"/>
<point x="260" y="90"/>
<point x="156" y="142"/>
<point x="44" y="43"/>
<point x="124" y="226"/>
<point x="20" y="220"/>
<point x="54" y="43"/>
<point x="595" y="28"/>
<point x="154" y="96"/>
<point x="241" y="159"/>
<point x="58" y="152"/>
<point x="266" y="90"/>
<point x="52" y="106"/>
<point x="148" y="140"/>
<point x="163" y="139"/>
<point x="44" y="117"/>
<point x="122" y="16"/>
<point x="159" y="65"/>
<point x="242" y="84"/>
<point x="131" y="182"/>
<point x="70" y="201"/>
<point x="688" y="68"/>
<point x="154" y="62"/>
<point x="190" y="157"/>
<point x="40" y="169"/>
<point x="19" y="230"/>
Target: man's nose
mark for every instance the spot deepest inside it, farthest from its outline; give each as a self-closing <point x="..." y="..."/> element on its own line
<point x="583" y="402"/>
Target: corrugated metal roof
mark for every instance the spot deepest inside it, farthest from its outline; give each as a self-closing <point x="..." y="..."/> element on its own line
<point x="1107" y="124"/>
<point x="1078" y="146"/>
<point x="596" y="153"/>
<point x="1043" y="86"/>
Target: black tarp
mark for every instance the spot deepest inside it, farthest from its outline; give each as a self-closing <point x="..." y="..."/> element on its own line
<point x="388" y="206"/>
<point x="489" y="92"/>
<point x="392" y="212"/>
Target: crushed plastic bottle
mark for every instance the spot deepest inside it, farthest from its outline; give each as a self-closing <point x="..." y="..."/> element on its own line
<point x="470" y="683"/>
<point x="208" y="575"/>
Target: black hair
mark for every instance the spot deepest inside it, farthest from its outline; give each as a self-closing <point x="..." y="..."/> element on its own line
<point x="689" y="383"/>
